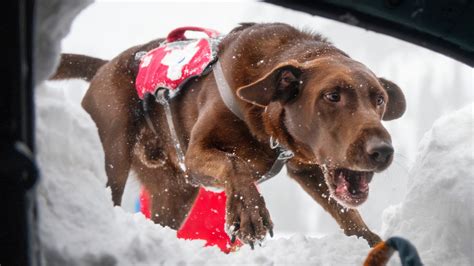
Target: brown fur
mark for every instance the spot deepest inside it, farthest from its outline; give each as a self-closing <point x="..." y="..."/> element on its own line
<point x="78" y="66"/>
<point x="281" y="77"/>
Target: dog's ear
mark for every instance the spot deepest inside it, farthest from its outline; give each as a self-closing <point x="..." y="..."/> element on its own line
<point x="282" y="84"/>
<point x="396" y="104"/>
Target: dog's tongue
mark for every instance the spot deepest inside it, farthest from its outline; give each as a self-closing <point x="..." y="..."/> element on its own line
<point x="341" y="184"/>
<point x="351" y="182"/>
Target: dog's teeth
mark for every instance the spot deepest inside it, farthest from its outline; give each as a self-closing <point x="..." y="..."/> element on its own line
<point x="340" y="177"/>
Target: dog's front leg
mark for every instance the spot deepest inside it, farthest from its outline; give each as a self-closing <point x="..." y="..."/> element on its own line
<point x="246" y="214"/>
<point x="311" y="179"/>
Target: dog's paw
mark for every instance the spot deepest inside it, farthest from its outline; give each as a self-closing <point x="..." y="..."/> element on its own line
<point x="247" y="216"/>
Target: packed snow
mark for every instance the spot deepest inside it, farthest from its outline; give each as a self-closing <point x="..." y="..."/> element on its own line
<point x="432" y="202"/>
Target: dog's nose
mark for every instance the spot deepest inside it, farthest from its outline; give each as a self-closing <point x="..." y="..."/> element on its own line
<point x="379" y="151"/>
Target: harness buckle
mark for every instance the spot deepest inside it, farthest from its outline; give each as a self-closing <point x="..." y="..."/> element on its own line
<point x="285" y="155"/>
<point x="162" y="95"/>
<point x="139" y="55"/>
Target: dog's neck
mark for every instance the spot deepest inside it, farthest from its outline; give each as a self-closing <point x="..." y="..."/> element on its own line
<point x="273" y="119"/>
<point x="265" y="124"/>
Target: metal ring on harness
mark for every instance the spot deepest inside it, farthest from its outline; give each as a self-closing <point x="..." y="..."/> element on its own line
<point x="162" y="96"/>
<point x="285" y="155"/>
<point x="274" y="143"/>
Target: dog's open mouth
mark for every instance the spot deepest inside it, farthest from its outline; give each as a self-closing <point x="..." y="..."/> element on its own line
<point x="348" y="187"/>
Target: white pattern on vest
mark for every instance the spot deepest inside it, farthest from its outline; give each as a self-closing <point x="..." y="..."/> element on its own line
<point x="177" y="59"/>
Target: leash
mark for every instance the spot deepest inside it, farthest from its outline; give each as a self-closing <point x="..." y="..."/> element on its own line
<point x="381" y="253"/>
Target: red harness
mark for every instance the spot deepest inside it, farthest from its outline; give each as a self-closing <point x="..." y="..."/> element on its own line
<point x="175" y="61"/>
<point x="169" y="67"/>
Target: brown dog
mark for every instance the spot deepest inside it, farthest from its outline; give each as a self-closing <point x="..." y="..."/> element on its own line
<point x="290" y="85"/>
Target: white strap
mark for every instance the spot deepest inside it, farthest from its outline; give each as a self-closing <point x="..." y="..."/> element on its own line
<point x="227" y="95"/>
<point x="163" y="99"/>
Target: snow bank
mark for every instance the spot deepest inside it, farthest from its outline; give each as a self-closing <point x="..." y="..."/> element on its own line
<point x="437" y="213"/>
<point x="53" y="21"/>
<point x="79" y="225"/>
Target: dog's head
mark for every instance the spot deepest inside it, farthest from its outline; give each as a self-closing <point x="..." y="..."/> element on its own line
<point x="332" y="108"/>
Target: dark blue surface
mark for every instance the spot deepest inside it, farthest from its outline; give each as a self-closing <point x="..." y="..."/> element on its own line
<point x="407" y="252"/>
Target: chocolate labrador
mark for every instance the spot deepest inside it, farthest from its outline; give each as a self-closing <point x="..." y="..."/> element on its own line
<point x="289" y="85"/>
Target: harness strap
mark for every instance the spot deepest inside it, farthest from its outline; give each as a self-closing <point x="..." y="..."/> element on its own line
<point x="162" y="97"/>
<point x="146" y="109"/>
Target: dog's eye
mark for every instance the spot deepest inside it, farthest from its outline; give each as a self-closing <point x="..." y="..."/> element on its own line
<point x="380" y="100"/>
<point x="333" y="96"/>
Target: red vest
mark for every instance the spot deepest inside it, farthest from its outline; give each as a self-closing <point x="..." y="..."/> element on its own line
<point x="175" y="61"/>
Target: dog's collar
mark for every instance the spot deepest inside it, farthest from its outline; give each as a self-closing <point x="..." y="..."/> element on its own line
<point x="283" y="156"/>
<point x="227" y="96"/>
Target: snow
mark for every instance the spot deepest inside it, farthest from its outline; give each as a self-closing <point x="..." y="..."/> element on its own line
<point x="437" y="212"/>
<point x="80" y="226"/>
<point x="53" y="21"/>
<point x="433" y="200"/>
